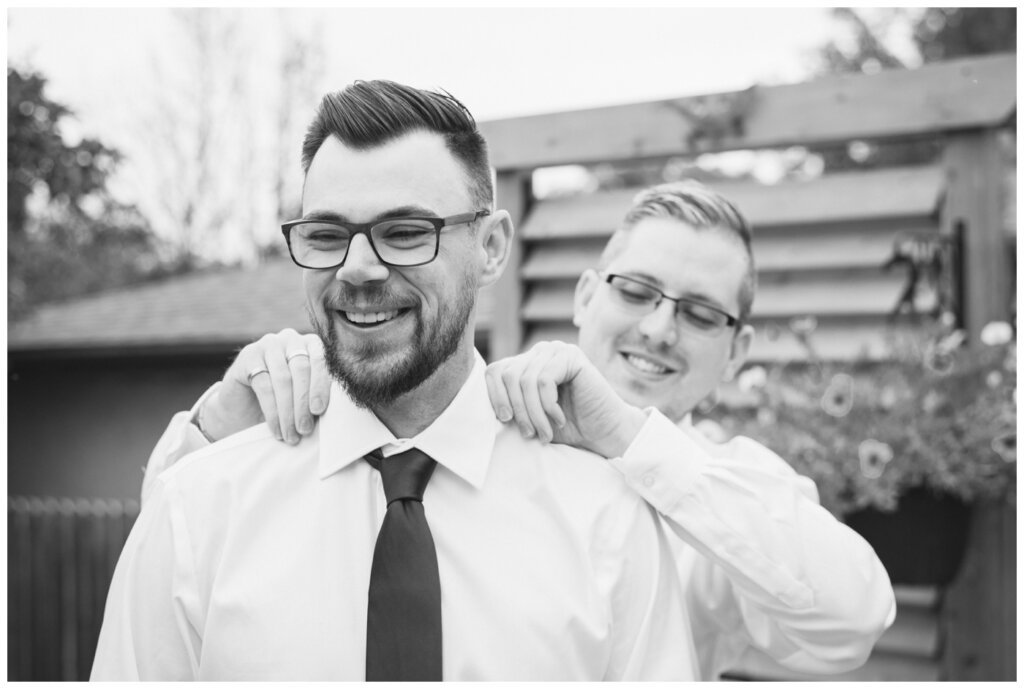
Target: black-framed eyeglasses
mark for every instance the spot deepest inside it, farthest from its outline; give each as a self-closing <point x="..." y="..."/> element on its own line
<point x="641" y="298"/>
<point x="406" y="241"/>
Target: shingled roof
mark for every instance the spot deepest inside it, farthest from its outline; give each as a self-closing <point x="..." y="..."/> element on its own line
<point x="226" y="307"/>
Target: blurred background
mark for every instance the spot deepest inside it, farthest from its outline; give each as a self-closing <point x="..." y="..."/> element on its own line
<point x="153" y="154"/>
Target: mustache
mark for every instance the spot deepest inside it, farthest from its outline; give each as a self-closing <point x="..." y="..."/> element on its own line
<point x="349" y="295"/>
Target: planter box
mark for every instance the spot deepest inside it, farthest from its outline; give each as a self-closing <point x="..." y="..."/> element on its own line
<point x="922" y="542"/>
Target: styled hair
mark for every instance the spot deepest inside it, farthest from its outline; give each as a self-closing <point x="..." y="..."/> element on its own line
<point x="700" y="208"/>
<point x="366" y="114"/>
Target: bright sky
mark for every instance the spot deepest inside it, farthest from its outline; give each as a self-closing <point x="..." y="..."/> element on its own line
<point x="111" y="65"/>
<point x="500" y="62"/>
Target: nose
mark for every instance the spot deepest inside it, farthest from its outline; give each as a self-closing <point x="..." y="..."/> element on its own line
<point x="659" y="327"/>
<point x="362" y="265"/>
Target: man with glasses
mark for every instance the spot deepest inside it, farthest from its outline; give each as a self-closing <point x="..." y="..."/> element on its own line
<point x="412" y="536"/>
<point x="663" y="319"/>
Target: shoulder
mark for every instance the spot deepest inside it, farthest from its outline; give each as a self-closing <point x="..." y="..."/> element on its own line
<point x="253" y="457"/>
<point x="585" y="484"/>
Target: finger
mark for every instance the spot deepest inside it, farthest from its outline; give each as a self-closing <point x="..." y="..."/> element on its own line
<point x="263" y="389"/>
<point x="510" y="380"/>
<point x="496" y="392"/>
<point x="299" y="368"/>
<point x="280" y="391"/>
<point x="554" y="374"/>
<point x="531" y="382"/>
<point x="320" y="378"/>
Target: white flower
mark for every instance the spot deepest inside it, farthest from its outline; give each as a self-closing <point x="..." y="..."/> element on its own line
<point x="838" y="398"/>
<point x="997" y="333"/>
<point x="1006" y="446"/>
<point x="712" y="431"/>
<point x="753" y="378"/>
<point x="873" y="456"/>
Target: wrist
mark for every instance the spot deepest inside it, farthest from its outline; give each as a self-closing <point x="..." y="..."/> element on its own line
<point x="629" y="424"/>
<point x="197" y="421"/>
<point x="208" y="420"/>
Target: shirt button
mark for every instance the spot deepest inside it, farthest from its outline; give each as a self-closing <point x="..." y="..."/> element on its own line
<point x="649" y="480"/>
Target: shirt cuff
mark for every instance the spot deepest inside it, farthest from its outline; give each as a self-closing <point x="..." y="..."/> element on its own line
<point x="661" y="463"/>
<point x="181" y="437"/>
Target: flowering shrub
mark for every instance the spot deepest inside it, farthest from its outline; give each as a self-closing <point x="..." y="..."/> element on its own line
<point x="941" y="415"/>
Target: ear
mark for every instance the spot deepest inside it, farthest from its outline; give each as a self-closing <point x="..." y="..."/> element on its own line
<point x="585" y="288"/>
<point x="496" y="233"/>
<point x="738" y="351"/>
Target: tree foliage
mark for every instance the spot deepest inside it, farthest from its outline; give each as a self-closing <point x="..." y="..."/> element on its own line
<point x="37" y="153"/>
<point x="66" y="235"/>
<point x="938" y="33"/>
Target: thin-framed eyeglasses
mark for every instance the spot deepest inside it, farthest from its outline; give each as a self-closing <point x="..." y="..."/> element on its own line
<point x="643" y="299"/>
<point x="402" y="242"/>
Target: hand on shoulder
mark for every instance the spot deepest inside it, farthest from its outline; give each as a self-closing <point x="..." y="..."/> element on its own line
<point x="555" y="393"/>
<point x="281" y="379"/>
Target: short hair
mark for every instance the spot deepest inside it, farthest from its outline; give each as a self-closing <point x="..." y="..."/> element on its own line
<point x="366" y="114"/>
<point x="700" y="208"/>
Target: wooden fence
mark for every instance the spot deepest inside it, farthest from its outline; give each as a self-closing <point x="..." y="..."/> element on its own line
<point x="60" y="558"/>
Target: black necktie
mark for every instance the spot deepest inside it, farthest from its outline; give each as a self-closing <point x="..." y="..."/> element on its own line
<point x="403" y="621"/>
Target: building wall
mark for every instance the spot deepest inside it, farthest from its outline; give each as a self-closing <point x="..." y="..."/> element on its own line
<point x="85" y="427"/>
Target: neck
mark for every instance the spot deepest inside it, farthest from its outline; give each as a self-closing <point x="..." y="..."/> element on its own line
<point x="408" y="415"/>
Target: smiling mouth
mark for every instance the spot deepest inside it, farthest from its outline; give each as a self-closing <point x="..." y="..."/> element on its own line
<point x="645" y="365"/>
<point x="370" y="319"/>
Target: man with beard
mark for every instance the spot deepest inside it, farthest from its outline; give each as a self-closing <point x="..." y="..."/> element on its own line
<point x="412" y="536"/>
<point x="663" y="318"/>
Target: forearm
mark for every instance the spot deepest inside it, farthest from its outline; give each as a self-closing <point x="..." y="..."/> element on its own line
<point x="810" y="591"/>
<point x="181" y="437"/>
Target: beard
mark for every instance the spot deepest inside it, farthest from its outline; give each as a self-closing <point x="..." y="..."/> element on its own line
<point x="375" y="379"/>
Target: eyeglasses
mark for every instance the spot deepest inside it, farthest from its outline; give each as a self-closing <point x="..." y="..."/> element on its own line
<point x="406" y="241"/>
<point x="641" y="298"/>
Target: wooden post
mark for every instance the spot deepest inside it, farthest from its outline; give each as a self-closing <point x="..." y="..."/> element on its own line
<point x="514" y="194"/>
<point x="979" y="620"/>
<point x="979" y="613"/>
<point x="975" y="199"/>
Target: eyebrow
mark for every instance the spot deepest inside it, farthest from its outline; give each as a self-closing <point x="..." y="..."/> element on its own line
<point x="399" y="212"/>
<point x="655" y="282"/>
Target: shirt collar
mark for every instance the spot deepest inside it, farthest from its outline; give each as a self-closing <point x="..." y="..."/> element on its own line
<point x="461" y="438"/>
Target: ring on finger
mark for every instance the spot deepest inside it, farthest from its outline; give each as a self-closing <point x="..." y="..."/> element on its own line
<point x="255" y="372"/>
<point x="297" y="352"/>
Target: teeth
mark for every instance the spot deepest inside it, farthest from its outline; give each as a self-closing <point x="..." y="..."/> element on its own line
<point x="645" y="364"/>
<point x="378" y="317"/>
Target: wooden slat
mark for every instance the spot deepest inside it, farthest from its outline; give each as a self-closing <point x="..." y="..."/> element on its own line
<point x="859" y="293"/>
<point x="915" y="632"/>
<point x="903" y="192"/>
<point x="19" y="607"/>
<point x="925" y="597"/>
<point x="786" y="249"/>
<point x="849" y="245"/>
<point x="856" y="293"/>
<point x="954" y="95"/>
<point x="880" y="667"/>
<point x="838" y="340"/>
<point x="834" y="339"/>
<point x="69" y="600"/>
